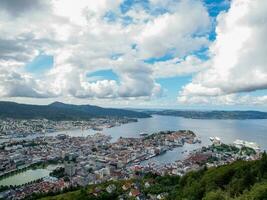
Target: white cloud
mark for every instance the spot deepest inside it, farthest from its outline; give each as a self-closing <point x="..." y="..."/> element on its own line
<point x="15" y="8"/>
<point x="178" y="67"/>
<point x="136" y="78"/>
<point x="83" y="11"/>
<point x="98" y="89"/>
<point x="180" y="32"/>
<point x="13" y="84"/>
<point x="238" y="55"/>
<point x="82" y="41"/>
<point x="229" y="99"/>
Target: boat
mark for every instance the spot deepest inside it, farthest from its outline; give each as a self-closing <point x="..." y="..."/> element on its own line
<point x="143" y="134"/>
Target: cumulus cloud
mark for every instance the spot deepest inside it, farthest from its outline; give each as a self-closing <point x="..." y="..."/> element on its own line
<point x="13" y="84"/>
<point x="15" y="8"/>
<point x="136" y="78"/>
<point x="238" y="55"/>
<point x="82" y="40"/>
<point x="15" y="50"/>
<point x="178" y="67"/>
<point x="229" y="99"/>
<point x="180" y="32"/>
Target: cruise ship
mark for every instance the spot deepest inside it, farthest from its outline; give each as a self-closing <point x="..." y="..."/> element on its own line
<point x="242" y="143"/>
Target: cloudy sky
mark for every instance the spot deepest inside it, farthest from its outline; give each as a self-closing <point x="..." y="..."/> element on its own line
<point x="135" y="53"/>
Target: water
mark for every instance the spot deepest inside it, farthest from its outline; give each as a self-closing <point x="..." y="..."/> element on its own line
<point x="28" y="176"/>
<point x="227" y="130"/>
<point x="178" y="153"/>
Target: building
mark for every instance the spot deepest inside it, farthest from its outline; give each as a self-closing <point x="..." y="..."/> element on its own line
<point x="69" y="168"/>
<point x="241" y="143"/>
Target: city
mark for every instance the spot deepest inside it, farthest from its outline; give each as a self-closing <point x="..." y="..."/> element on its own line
<point x="12" y="128"/>
<point x="90" y="160"/>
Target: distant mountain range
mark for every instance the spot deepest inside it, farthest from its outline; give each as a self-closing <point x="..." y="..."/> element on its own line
<point x="62" y="111"/>
<point x="212" y="114"/>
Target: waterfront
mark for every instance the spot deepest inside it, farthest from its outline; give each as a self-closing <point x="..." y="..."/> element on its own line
<point x="84" y="153"/>
<point x="27" y="176"/>
<point x="227" y="130"/>
<point x="157" y="153"/>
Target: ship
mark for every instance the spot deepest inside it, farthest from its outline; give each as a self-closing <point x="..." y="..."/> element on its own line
<point x="143" y="134"/>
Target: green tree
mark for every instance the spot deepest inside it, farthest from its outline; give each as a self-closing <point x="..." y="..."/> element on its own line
<point x="263" y="165"/>
<point x="216" y="195"/>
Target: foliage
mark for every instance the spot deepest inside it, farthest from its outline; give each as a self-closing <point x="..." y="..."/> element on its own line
<point x="58" y="172"/>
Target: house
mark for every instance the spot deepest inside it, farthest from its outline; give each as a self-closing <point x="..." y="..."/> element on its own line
<point x="126" y="186"/>
<point x="134" y="193"/>
<point x="111" y="188"/>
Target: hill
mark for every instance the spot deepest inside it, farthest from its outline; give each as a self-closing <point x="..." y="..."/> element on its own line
<point x="212" y="114"/>
<point x="241" y="180"/>
<point x="61" y="111"/>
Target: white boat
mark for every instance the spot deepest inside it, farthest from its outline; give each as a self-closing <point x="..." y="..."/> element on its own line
<point x="143" y="134"/>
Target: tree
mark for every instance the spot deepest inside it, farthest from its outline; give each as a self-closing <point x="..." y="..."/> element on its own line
<point x="263" y="165"/>
<point x="216" y="195"/>
<point x="83" y="194"/>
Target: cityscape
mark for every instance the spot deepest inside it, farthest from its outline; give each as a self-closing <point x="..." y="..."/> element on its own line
<point x="82" y="161"/>
<point x="133" y="100"/>
<point x="12" y="128"/>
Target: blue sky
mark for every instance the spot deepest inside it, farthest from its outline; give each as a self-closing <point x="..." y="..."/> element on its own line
<point x="102" y="75"/>
<point x="42" y="63"/>
<point x="139" y="53"/>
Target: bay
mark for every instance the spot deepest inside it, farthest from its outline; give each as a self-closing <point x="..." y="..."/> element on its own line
<point x="227" y="130"/>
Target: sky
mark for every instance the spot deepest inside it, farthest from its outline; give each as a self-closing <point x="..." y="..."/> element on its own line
<point x="179" y="54"/>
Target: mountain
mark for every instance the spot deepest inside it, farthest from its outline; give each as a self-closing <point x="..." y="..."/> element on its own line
<point x="62" y="111"/>
<point x="212" y="114"/>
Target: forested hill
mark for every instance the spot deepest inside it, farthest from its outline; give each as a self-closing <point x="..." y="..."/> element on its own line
<point x="241" y="180"/>
<point x="212" y="114"/>
<point x="61" y="111"/>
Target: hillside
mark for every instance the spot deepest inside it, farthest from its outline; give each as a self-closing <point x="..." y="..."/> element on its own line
<point x="241" y="180"/>
<point x="61" y="111"/>
<point x="212" y="114"/>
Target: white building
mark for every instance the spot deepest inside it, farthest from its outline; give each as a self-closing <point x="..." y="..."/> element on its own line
<point x="69" y="168"/>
